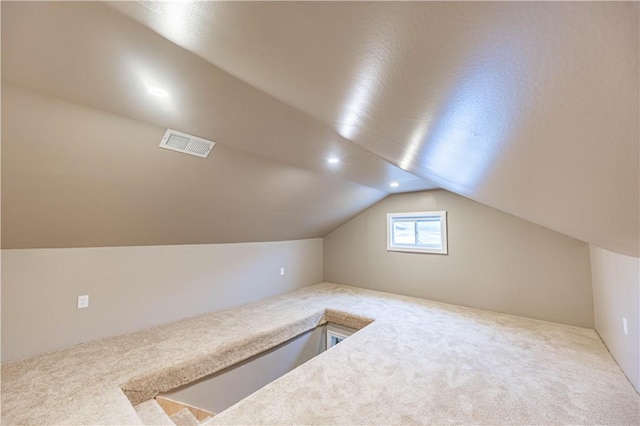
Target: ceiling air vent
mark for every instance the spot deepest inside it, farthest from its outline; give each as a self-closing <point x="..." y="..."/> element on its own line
<point x="187" y="144"/>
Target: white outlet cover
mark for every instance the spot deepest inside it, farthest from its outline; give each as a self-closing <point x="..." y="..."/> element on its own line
<point x="83" y="301"/>
<point x="281" y="271"/>
<point x="624" y="326"/>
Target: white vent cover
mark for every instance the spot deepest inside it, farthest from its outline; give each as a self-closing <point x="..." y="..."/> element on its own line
<point x="187" y="144"/>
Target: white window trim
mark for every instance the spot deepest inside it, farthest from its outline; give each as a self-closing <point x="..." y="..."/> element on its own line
<point x="331" y="334"/>
<point x="334" y="330"/>
<point x="414" y="249"/>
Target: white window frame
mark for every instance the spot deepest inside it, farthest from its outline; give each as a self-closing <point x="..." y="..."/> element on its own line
<point x="336" y="334"/>
<point x="334" y="337"/>
<point x="415" y="248"/>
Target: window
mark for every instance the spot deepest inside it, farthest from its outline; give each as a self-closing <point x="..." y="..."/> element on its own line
<point x="422" y="232"/>
<point x="333" y="338"/>
<point x="336" y="334"/>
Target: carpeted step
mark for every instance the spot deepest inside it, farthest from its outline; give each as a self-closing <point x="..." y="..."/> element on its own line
<point x="171" y="407"/>
<point x="203" y="421"/>
<point x="152" y="414"/>
<point x="184" y="418"/>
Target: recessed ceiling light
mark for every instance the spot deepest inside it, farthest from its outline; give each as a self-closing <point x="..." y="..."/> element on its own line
<point x="158" y="92"/>
<point x="394" y="184"/>
<point x="333" y="160"/>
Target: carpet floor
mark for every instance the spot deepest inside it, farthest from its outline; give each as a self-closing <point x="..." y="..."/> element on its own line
<point x="413" y="362"/>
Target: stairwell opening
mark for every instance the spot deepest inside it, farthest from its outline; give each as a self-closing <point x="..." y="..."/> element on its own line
<point x="196" y="402"/>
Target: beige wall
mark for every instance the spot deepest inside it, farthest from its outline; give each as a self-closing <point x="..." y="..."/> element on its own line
<point x="131" y="288"/>
<point x="496" y="261"/>
<point x="616" y="294"/>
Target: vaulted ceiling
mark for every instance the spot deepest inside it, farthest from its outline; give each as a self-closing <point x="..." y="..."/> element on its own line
<point x="531" y="108"/>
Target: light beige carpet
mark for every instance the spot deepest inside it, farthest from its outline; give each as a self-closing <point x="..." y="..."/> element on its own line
<point x="184" y="418"/>
<point x="419" y="362"/>
<point x="151" y="413"/>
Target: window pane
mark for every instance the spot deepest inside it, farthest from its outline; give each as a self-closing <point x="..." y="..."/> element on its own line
<point x="417" y="232"/>
<point x="404" y="232"/>
<point x="429" y="233"/>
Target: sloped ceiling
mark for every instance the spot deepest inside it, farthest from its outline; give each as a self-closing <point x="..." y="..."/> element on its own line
<point x="82" y="167"/>
<point x="73" y="176"/>
<point x="528" y="107"/>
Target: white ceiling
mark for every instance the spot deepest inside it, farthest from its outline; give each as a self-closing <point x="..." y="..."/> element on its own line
<point x="528" y="107"/>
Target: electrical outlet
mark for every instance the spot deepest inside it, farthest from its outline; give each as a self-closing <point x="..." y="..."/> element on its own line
<point x="624" y="326"/>
<point x="83" y="301"/>
<point x="281" y="271"/>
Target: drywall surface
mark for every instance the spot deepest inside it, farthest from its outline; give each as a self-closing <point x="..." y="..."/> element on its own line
<point x="496" y="261"/>
<point x="74" y="176"/>
<point x="131" y="288"/>
<point x="616" y="294"/>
